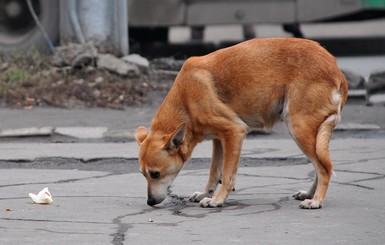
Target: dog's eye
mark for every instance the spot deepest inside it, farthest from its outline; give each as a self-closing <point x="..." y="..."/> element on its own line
<point x="154" y="174"/>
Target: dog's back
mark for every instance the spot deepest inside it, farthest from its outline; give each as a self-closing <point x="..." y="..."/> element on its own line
<point x="257" y="79"/>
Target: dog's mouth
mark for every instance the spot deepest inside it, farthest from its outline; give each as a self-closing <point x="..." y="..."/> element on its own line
<point x="151" y="201"/>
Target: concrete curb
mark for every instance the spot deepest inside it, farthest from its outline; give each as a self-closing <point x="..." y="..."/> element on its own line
<point x="82" y="132"/>
<point x="27" y="132"/>
<point x="75" y="132"/>
<point x="124" y="134"/>
<point x="356" y="127"/>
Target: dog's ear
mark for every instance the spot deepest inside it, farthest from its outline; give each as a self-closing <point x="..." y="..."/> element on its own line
<point x="176" y="138"/>
<point x="141" y="134"/>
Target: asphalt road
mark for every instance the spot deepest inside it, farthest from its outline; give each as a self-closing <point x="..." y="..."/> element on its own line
<point x="102" y="205"/>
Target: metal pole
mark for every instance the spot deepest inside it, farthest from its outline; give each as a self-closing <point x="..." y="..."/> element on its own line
<point x="73" y="16"/>
<point x="123" y="26"/>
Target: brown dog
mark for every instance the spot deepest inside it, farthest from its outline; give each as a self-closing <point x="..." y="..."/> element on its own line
<point x="222" y="95"/>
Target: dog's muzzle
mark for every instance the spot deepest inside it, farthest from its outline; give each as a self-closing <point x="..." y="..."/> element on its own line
<point x="158" y="196"/>
<point x="151" y="201"/>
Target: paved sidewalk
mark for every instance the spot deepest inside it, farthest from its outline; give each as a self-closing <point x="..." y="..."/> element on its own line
<point x="99" y="207"/>
<point x="110" y="125"/>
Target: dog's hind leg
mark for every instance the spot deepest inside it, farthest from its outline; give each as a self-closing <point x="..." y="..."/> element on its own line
<point x="314" y="142"/>
<point x="325" y="169"/>
<point x="302" y="195"/>
<point x="215" y="173"/>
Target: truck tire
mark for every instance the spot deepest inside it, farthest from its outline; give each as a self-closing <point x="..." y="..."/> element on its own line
<point x="18" y="30"/>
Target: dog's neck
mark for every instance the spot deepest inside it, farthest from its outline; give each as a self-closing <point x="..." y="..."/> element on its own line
<point x="170" y="115"/>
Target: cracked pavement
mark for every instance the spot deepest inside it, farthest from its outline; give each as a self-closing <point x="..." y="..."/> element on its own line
<point x="100" y="197"/>
<point x="101" y="205"/>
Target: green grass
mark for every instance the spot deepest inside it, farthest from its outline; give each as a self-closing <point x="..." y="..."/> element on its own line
<point x="16" y="75"/>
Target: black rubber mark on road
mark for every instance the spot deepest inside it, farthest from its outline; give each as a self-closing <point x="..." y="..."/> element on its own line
<point x="130" y="165"/>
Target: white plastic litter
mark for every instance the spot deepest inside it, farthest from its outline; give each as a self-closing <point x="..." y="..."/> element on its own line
<point x="43" y="197"/>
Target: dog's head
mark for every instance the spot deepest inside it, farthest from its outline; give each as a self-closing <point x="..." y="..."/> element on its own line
<point x="160" y="160"/>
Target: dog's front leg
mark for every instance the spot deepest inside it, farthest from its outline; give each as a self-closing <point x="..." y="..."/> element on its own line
<point x="215" y="173"/>
<point x="232" y="144"/>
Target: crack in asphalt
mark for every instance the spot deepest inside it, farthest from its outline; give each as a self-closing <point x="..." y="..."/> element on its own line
<point x="62" y="181"/>
<point x="271" y="176"/>
<point x="272" y="185"/>
<point x="68" y="232"/>
<point x="348" y="162"/>
<point x="130" y="165"/>
<point x="276" y="206"/>
<point x="61" y="196"/>
<point x="55" y="221"/>
<point x="377" y="176"/>
<point x="178" y="204"/>
<point x="115" y="165"/>
<point x="355" y="185"/>
<point x="120" y="235"/>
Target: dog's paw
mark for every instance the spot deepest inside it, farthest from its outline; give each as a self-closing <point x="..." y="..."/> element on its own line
<point x="310" y="204"/>
<point x="198" y="196"/>
<point x="209" y="203"/>
<point x="302" y="195"/>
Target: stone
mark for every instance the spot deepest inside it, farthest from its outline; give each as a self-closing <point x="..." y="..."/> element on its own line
<point x="167" y="64"/>
<point x="138" y="60"/>
<point x="113" y="64"/>
<point x="355" y="80"/>
<point x="99" y="80"/>
<point x="75" y="55"/>
<point x="4" y="66"/>
<point x="375" y="88"/>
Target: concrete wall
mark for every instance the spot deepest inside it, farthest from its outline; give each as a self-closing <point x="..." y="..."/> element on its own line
<point x="103" y="22"/>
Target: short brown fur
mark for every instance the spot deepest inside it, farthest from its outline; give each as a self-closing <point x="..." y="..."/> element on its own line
<point x="224" y="94"/>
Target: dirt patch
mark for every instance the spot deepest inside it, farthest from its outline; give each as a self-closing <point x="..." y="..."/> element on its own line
<point x="30" y="80"/>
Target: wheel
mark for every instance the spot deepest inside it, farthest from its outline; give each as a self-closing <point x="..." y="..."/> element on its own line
<point x="18" y="30"/>
<point x="294" y="29"/>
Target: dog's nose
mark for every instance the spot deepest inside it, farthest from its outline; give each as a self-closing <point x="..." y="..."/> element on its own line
<point x="151" y="201"/>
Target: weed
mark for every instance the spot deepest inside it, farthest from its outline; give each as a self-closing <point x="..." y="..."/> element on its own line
<point x="16" y="75"/>
<point x="3" y="89"/>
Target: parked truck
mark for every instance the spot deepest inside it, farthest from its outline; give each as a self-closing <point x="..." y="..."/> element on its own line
<point x="150" y="20"/>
